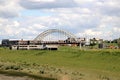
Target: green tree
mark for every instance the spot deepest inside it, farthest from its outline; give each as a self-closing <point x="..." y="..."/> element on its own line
<point x="118" y="42"/>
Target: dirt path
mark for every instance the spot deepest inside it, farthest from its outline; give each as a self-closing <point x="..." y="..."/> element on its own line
<point x="5" y="77"/>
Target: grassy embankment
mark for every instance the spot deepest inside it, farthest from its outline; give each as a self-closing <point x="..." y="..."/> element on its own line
<point x="70" y="61"/>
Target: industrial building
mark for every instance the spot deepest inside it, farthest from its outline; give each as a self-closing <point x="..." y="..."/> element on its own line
<point x="28" y="45"/>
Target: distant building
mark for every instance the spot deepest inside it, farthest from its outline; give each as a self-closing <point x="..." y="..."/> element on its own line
<point x="95" y="41"/>
<point x="69" y="40"/>
<point x="27" y="45"/>
<point x="5" y="42"/>
<point x="8" y="43"/>
<point x="81" y="39"/>
<point x="87" y="42"/>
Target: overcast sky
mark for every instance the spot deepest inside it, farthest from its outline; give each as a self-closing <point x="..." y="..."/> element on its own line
<point x="25" y="19"/>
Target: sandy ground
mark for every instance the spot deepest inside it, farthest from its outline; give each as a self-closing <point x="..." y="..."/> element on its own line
<point x="5" y="77"/>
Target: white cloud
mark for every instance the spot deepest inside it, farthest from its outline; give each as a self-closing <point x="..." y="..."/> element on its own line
<point x="39" y="26"/>
<point x="16" y="23"/>
<point x="94" y="18"/>
<point x="9" y="9"/>
<point x="91" y="33"/>
<point x="84" y="1"/>
<point x="116" y="29"/>
<point x="10" y="28"/>
<point x="31" y="4"/>
<point x="42" y="0"/>
<point x="110" y="7"/>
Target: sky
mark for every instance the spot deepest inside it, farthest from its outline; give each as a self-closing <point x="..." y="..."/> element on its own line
<point x="25" y="19"/>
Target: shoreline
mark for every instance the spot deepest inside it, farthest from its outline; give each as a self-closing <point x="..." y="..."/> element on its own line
<point x="5" y="77"/>
<point x="14" y="75"/>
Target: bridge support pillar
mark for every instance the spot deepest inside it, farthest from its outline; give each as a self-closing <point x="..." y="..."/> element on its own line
<point x="80" y="45"/>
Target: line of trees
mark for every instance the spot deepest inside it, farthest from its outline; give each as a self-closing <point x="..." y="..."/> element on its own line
<point x="115" y="42"/>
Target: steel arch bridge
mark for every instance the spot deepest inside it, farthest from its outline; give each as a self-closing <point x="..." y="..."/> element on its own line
<point x="41" y="36"/>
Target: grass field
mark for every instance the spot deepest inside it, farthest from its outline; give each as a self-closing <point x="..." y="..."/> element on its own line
<point x="69" y="62"/>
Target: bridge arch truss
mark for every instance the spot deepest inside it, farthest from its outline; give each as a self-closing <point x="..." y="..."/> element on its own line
<point x="41" y="36"/>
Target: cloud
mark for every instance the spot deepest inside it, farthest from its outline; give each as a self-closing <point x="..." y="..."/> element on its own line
<point x="15" y="29"/>
<point x="105" y="7"/>
<point x="10" y="28"/>
<point x="9" y="9"/>
<point x="2" y="2"/>
<point x="8" y="14"/>
<point x="93" y="18"/>
<point x="31" y="4"/>
<point x="110" y="8"/>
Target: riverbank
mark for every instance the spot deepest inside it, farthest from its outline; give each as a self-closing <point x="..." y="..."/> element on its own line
<point x="6" y="77"/>
<point x="68" y="62"/>
<point x="15" y="75"/>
